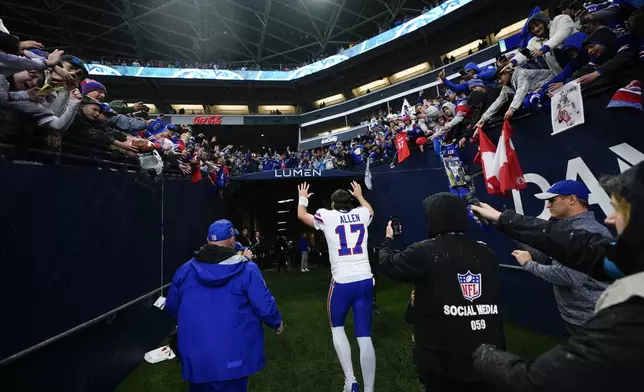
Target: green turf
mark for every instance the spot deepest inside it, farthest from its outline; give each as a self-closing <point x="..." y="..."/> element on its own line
<point x="303" y="358"/>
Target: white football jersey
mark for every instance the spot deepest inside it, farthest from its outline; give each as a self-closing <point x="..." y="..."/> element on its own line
<point x="346" y="235"/>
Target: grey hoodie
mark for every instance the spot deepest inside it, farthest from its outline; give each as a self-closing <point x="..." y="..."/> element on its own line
<point x="523" y="82"/>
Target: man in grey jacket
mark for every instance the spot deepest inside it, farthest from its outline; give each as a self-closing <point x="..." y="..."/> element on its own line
<point x="576" y="292"/>
<point x="517" y="81"/>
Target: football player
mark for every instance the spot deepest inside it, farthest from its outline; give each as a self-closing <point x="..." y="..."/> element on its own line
<point x="345" y="230"/>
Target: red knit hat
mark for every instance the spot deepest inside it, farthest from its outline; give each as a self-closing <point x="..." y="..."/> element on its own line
<point x="89" y="85"/>
<point x="627" y="97"/>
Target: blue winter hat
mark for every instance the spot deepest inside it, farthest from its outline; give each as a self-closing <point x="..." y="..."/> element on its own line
<point x="221" y="230"/>
<point x="156" y="127"/>
<point x="566" y="188"/>
<point x="471" y="67"/>
<point x="171" y="127"/>
<point x="107" y="110"/>
<point x="473" y="83"/>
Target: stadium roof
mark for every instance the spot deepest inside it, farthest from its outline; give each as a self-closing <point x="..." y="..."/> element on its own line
<point x="266" y="32"/>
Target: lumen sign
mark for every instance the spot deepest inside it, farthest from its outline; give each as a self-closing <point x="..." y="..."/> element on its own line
<point x="625" y="156"/>
<point x="283" y="173"/>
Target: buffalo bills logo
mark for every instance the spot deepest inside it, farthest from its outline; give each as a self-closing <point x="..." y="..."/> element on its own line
<point x="471" y="285"/>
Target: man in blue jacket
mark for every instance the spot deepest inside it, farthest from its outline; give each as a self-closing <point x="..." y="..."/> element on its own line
<point x="473" y="77"/>
<point x="221" y="301"/>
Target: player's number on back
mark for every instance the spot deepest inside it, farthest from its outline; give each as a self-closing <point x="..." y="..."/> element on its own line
<point x="477" y="325"/>
<point x="341" y="231"/>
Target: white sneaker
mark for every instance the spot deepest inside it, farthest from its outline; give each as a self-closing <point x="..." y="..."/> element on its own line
<point x="303" y="271"/>
<point x="159" y="355"/>
<point x="307" y="270"/>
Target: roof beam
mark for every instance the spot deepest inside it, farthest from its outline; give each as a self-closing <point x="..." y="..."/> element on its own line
<point x="238" y="22"/>
<point x="386" y="6"/>
<point x="394" y="15"/>
<point x="314" y="18"/>
<point x="276" y="20"/>
<point x="331" y="26"/>
<point x="373" y="18"/>
<point x="241" y="41"/>
<point x="124" y="24"/>
<point x="184" y="36"/>
<point x="306" y="9"/>
<point x="48" y="12"/>
<point x="89" y="7"/>
<point x="181" y="50"/>
<point x="134" y="29"/>
<point x="79" y="33"/>
<point x="276" y="37"/>
<point x="16" y="8"/>
<point x="265" y="21"/>
<point x="347" y="10"/>
<point x="290" y="51"/>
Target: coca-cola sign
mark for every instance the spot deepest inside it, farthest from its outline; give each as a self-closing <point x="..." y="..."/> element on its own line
<point x="207" y="120"/>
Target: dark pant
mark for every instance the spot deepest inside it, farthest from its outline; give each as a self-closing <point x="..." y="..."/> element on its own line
<point x="239" y="385"/>
<point x="435" y="382"/>
<point x="572" y="329"/>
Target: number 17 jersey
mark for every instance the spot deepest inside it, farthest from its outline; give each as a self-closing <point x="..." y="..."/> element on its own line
<point x="346" y="236"/>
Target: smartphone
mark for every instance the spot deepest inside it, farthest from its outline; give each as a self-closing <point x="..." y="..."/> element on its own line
<point x="46" y="89"/>
<point x="396" y="225"/>
<point x="526" y="52"/>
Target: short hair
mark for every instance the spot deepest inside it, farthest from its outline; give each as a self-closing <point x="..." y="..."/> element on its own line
<point x="620" y="191"/>
<point x="342" y="200"/>
<point x="584" y="203"/>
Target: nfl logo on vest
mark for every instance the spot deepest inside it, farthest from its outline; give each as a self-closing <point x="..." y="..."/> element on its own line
<point x="471" y="285"/>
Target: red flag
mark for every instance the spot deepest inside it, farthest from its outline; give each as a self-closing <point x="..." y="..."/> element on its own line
<point x="500" y="164"/>
<point x="196" y="172"/>
<point x="402" y="147"/>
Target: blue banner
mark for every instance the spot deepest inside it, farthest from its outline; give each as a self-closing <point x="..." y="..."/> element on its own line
<point x="285" y="174"/>
<point x="220" y="74"/>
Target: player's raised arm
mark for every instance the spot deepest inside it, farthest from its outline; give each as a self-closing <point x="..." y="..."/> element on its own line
<point x="357" y="193"/>
<point x="303" y="202"/>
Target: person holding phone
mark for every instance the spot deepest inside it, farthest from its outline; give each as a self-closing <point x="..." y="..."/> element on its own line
<point x="548" y="35"/>
<point x="456" y="295"/>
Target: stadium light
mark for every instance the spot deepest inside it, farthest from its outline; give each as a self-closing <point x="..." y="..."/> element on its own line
<point x="281" y="229"/>
<point x="281" y="223"/>
<point x="283" y="212"/>
<point x="286" y="201"/>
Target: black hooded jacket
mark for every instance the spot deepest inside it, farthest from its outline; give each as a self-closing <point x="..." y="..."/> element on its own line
<point x="457" y="291"/>
<point x="608" y="352"/>
<point x="622" y="53"/>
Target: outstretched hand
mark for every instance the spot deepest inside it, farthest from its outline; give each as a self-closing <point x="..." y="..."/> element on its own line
<point x="356" y="190"/>
<point x="486" y="211"/>
<point x="303" y="190"/>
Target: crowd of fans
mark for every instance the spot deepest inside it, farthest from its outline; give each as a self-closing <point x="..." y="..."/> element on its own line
<point x="51" y="94"/>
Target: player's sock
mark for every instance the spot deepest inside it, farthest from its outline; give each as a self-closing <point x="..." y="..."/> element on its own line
<point x="367" y="362"/>
<point x="343" y="349"/>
